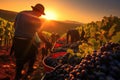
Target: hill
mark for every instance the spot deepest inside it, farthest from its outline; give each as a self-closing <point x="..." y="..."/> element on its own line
<point x="8" y="15"/>
<point x="59" y="26"/>
<point x="50" y="25"/>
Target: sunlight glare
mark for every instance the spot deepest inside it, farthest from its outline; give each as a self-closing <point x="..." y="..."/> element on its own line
<point x="50" y="15"/>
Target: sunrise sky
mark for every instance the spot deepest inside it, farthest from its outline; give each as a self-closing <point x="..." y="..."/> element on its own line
<point x="75" y="10"/>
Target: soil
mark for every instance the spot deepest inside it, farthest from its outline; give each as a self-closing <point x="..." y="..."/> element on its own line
<point x="7" y="66"/>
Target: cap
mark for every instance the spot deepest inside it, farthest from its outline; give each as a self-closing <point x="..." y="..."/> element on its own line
<point x="39" y="7"/>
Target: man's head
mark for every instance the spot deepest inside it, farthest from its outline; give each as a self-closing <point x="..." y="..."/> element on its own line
<point x="39" y="8"/>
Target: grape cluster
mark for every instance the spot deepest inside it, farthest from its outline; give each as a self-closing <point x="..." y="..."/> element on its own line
<point x="66" y="59"/>
<point x="51" y="61"/>
<point x="64" y="47"/>
<point x="103" y="64"/>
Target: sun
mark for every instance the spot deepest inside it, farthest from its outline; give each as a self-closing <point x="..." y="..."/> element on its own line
<point x="50" y="15"/>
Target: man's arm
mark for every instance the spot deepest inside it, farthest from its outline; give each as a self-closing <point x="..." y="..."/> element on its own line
<point x="42" y="37"/>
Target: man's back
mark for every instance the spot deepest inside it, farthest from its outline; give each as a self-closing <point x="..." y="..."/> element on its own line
<point x="26" y="24"/>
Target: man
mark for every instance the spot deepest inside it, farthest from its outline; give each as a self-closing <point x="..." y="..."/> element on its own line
<point x="26" y="25"/>
<point x="72" y="36"/>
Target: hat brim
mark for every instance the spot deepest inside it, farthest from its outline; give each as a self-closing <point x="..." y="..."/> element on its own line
<point x="43" y="13"/>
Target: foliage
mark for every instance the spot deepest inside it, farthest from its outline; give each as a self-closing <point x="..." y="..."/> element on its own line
<point x="99" y="32"/>
<point x="116" y="38"/>
<point x="6" y="32"/>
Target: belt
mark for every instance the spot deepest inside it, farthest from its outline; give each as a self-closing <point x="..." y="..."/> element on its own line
<point x="22" y="38"/>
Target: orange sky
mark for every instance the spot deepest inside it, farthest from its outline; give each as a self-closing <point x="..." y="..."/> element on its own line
<point x="76" y="10"/>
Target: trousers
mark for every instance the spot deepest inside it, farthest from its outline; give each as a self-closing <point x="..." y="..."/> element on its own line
<point x="25" y="52"/>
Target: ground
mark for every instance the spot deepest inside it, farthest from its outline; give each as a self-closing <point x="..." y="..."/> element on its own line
<point x="7" y="66"/>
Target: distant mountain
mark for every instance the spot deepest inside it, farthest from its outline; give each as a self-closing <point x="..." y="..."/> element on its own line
<point x="8" y="15"/>
<point x="49" y="25"/>
<point x="58" y="26"/>
<point x="75" y="22"/>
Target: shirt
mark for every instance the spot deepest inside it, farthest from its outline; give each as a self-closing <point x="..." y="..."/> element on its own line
<point x="26" y="25"/>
